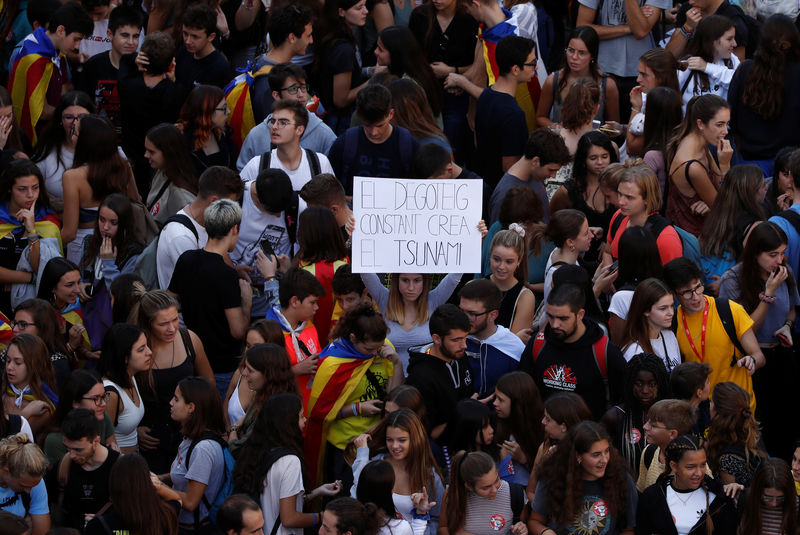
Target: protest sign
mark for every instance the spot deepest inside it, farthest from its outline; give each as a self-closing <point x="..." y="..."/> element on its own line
<point x="416" y="226"/>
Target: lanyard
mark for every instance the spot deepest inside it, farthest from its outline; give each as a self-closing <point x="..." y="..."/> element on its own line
<point x="701" y="356"/>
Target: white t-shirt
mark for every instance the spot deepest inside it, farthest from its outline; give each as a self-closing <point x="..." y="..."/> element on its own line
<point x="621" y="303"/>
<point x="665" y="346"/>
<point x="687" y="507"/>
<point x="284" y="479"/>
<point x="176" y="239"/>
<point x="52" y="170"/>
<point x="299" y="176"/>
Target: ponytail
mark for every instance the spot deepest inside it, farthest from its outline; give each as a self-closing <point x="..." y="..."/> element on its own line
<point x="355" y="517"/>
<point x="466" y="469"/>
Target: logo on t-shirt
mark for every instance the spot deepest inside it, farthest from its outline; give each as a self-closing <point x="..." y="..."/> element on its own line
<point x="560" y="377"/>
<point x="156" y="207"/>
<point x="593" y="519"/>
<point x="636" y="436"/>
<point x="497" y="522"/>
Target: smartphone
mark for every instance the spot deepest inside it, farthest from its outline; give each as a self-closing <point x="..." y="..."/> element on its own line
<point x="266" y="246"/>
<point x="613" y="131"/>
<point x="614" y="266"/>
<point x="596" y="124"/>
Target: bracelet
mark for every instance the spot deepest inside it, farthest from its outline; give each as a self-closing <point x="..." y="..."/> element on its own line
<point x="788" y="323"/>
<point x="354" y="408"/>
<point x="248" y="6"/>
<point x="688" y="35"/>
<point x="769" y="299"/>
<point x="314" y="516"/>
<point x="33" y="278"/>
<point x="234" y="428"/>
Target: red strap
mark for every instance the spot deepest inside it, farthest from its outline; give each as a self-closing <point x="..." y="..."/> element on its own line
<point x="599" y="349"/>
<point x="538" y="344"/>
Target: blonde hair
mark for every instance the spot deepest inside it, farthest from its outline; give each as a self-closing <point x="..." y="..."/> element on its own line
<point x="640" y="174"/>
<point x="514" y="240"/>
<point x="22" y="457"/>
<point x="395" y="311"/>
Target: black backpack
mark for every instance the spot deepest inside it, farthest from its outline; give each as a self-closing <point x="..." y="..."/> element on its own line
<point x="271" y="458"/>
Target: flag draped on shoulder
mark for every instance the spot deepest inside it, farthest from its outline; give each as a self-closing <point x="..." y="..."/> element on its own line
<point x="527" y="94"/>
<point x="335" y="380"/>
<point x="30" y="78"/>
<point x="237" y="96"/>
<point x="47" y="223"/>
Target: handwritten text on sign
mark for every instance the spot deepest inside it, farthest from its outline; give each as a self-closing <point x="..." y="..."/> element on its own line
<point x="416" y="226"/>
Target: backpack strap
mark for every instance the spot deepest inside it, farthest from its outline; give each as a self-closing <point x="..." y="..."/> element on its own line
<point x="187" y="343"/>
<point x="538" y="344"/>
<point x="207" y="435"/>
<point x="14" y="424"/>
<point x="119" y="402"/>
<point x="648" y="454"/>
<point x="792" y="217"/>
<point x="313" y="162"/>
<point x="517" y="493"/>
<point x="264" y="161"/>
<point x="656" y="223"/>
<point x="349" y="153"/>
<point x="290" y="217"/>
<point x="600" y="350"/>
<point x="616" y="223"/>
<point x="159" y="194"/>
<point x="726" y="317"/>
<point x="184" y="220"/>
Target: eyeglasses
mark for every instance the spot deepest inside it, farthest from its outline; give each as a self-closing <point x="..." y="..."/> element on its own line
<point x="99" y="400"/>
<point x="66" y="118"/>
<point x="572" y="51"/>
<point x="280" y="122"/>
<point x="697" y="290"/>
<point x="474" y="315"/>
<point x="23" y="325"/>
<point x="653" y="426"/>
<point x="772" y="500"/>
<point x="293" y="89"/>
<point x="223" y="109"/>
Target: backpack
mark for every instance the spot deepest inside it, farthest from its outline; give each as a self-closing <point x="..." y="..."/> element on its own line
<point x="145" y="228"/>
<point x="599" y="351"/>
<point x="350" y="152"/>
<point x="237" y="96"/>
<point x="147" y="263"/>
<point x="792" y="217"/>
<point x="753" y="32"/>
<point x="11" y="500"/>
<point x="271" y="458"/>
<point x="517" y="492"/>
<point x="227" y="483"/>
<point x="726" y="317"/>
<point x="656" y="224"/>
<point x="291" y="215"/>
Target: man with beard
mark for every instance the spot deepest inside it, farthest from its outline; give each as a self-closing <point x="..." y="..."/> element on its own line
<point x="439" y="371"/>
<point x="573" y="354"/>
<point x="492" y="350"/>
<point x="83" y="472"/>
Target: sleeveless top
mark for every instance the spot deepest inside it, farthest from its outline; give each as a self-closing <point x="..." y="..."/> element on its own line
<point x="679" y="206"/>
<point x="595" y="218"/>
<point x="508" y="306"/>
<point x="235" y="409"/>
<point x="130" y="416"/>
<point x="164" y="382"/>
<point x="555" y="113"/>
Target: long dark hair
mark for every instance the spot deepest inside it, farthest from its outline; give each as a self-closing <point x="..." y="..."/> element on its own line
<point x="564" y="475"/>
<point x="329" y="27"/>
<point x="412" y="110"/>
<point x="14" y="140"/>
<point x="733" y="424"/>
<point x="136" y="501"/>
<point x="638" y="256"/>
<point x="125" y="240"/>
<point x="772" y="473"/>
<point x="197" y="114"/>
<point x="637" y="327"/>
<point x="471" y="418"/>
<point x="585" y="144"/>
<point x="466" y="470"/>
<point x="710" y="29"/>
<point x="21" y="168"/>
<point x="765" y="237"/>
<point x="526" y="407"/>
<point x="108" y="172"/>
<point x="272" y="362"/>
<point x="55" y="268"/>
<point x="661" y="117"/>
<point x="116" y="351"/>
<point x="375" y="485"/>
<point x="319" y="236"/>
<point x="779" y="45"/>
<point x="178" y="166"/>
<point x="75" y="387"/>
<point x="276" y="427"/>
<point x="567" y="409"/>
<point x="207" y="415"/>
<point x="589" y="36"/>
<point x="409" y="59"/>
<point x="48" y="324"/>
<point x="54" y="135"/>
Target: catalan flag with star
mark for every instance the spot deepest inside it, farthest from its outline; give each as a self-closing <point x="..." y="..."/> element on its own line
<point x="30" y="78"/>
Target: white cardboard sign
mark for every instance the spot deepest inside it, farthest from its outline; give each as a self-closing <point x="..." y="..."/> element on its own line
<point x="416" y="226"/>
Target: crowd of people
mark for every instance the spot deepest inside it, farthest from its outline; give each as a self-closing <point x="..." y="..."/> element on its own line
<point x="186" y="348"/>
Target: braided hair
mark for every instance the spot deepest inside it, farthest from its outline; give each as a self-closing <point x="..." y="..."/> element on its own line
<point x="674" y="453"/>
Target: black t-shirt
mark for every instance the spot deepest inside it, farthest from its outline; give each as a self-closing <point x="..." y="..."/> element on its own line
<point x="374" y="160"/>
<point x="86" y="492"/>
<point x="725" y="9"/>
<point x="213" y="69"/>
<point x="338" y="59"/>
<point x="206" y="287"/>
<point x="142" y="108"/>
<point x="500" y="130"/>
<point x="455" y="46"/>
<point x="98" y="79"/>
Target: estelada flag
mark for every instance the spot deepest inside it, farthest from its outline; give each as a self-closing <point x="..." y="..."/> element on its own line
<point x="46" y="223"/>
<point x="30" y="77"/>
<point x="237" y="96"/>
<point x="6" y="334"/>
<point x="334" y="382"/>
<point x="527" y="94"/>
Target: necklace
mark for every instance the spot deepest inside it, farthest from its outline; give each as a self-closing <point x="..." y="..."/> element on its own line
<point x="172" y="360"/>
<point x="678" y="495"/>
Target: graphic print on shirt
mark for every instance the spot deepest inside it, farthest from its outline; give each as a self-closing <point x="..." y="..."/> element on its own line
<point x="560" y="377"/>
<point x="497" y="522"/>
<point x="592" y="519"/>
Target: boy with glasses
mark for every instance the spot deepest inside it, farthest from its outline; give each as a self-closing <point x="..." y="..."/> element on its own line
<point x="702" y="336"/>
<point x="492" y="349"/>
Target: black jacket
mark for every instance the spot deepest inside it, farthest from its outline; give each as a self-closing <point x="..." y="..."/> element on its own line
<point x="442" y="385"/>
<point x="653" y="515"/>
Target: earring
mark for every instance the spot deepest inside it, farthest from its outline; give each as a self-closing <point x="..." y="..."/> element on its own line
<point x="579" y="461"/>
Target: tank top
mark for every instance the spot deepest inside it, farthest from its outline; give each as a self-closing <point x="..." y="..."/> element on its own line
<point x="679" y="206"/>
<point x="130" y="416"/>
<point x="235" y="409"/>
<point x="164" y="381"/>
<point x="508" y="306"/>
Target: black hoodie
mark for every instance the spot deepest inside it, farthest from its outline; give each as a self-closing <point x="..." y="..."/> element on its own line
<point x="442" y="385"/>
<point x="572" y="367"/>
<point x="654" y="515"/>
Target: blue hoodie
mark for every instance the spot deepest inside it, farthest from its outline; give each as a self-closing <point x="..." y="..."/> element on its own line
<point x="493" y="357"/>
<point x="318" y="137"/>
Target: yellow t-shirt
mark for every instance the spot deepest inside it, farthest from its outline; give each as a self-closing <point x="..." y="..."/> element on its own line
<point x="718" y="348"/>
<point x="343" y="430"/>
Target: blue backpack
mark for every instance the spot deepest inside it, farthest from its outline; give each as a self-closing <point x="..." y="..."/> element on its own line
<point x="691" y="247"/>
<point x="227" y="483"/>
